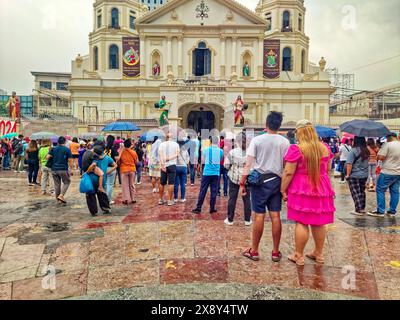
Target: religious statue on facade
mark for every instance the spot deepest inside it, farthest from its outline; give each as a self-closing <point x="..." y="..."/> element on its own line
<point x="14" y="106"/>
<point x="246" y="70"/>
<point x="163" y="106"/>
<point x="156" y="69"/>
<point x="239" y="107"/>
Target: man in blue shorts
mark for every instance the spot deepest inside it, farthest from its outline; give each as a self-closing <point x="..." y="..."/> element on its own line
<point x="265" y="156"/>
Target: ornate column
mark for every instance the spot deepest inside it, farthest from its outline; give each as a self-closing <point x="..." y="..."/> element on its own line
<point x="169" y="54"/>
<point x="234" y="54"/>
<point x="136" y="112"/>
<point x="260" y="57"/>
<point x="222" y="58"/>
<point x="143" y="55"/>
<point x="180" y="55"/>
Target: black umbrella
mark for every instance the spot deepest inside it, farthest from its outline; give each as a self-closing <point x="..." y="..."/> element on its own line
<point x="365" y="128"/>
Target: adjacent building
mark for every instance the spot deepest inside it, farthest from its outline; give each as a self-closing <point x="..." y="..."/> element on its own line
<point x="50" y="94"/>
<point x="382" y="104"/>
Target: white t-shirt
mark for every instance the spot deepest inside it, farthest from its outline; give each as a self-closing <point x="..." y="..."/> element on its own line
<point x="168" y="150"/>
<point x="391" y="165"/>
<point x="344" y="151"/>
<point x="154" y="151"/>
<point x="268" y="151"/>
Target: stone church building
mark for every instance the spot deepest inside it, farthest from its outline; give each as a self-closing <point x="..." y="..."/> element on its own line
<point x="200" y="54"/>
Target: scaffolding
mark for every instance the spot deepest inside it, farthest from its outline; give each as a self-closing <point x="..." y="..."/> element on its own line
<point x="342" y="82"/>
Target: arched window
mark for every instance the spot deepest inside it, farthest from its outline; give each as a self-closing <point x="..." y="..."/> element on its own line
<point x="156" y="63"/>
<point x="287" y="59"/>
<point x="201" y="60"/>
<point x="303" y="61"/>
<point x="95" y="58"/>
<point x="113" y="57"/>
<point x="286" y="21"/>
<point x="114" y="18"/>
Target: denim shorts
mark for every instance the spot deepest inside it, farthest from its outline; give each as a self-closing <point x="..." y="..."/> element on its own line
<point x="267" y="196"/>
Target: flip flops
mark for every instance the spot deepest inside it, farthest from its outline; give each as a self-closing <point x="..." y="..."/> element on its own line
<point x="61" y="200"/>
<point x="298" y="261"/>
<point x="315" y="258"/>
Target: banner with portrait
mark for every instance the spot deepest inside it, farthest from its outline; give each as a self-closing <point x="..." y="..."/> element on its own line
<point x="130" y="57"/>
<point x="271" y="63"/>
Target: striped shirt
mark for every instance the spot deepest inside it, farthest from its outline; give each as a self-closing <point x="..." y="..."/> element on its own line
<point x="235" y="162"/>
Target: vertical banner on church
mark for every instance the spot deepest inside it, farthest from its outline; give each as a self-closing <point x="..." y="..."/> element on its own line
<point x="131" y="57"/>
<point x="271" y="64"/>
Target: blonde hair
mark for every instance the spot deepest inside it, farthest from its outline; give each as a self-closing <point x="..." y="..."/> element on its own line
<point x="312" y="150"/>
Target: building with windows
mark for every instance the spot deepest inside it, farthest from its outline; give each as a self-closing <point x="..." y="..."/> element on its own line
<point x="200" y="54"/>
<point x="153" y="4"/>
<point x="50" y="94"/>
<point x="382" y="104"/>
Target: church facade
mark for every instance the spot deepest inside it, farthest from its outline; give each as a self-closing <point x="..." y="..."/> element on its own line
<point x="202" y="55"/>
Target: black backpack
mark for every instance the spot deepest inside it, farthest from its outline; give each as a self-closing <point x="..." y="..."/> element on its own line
<point x="18" y="147"/>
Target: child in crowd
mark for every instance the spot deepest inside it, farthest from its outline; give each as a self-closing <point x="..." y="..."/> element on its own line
<point x="91" y="159"/>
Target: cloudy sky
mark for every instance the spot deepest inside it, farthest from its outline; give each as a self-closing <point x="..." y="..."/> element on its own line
<point x="355" y="36"/>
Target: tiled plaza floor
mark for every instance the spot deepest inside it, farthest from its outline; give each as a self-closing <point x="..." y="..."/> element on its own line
<point x="151" y="246"/>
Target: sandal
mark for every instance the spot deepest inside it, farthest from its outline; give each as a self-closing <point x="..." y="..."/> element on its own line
<point x="298" y="261"/>
<point x="61" y="200"/>
<point x="276" y="256"/>
<point x="251" y="255"/>
<point x="317" y="259"/>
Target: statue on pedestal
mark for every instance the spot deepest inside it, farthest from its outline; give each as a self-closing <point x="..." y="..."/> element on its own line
<point x="239" y="107"/>
<point x="14" y="106"/>
<point x="246" y="70"/>
<point x="156" y="69"/>
<point x="163" y="106"/>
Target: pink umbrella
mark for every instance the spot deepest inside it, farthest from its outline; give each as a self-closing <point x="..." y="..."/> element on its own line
<point x="347" y="136"/>
<point x="68" y="137"/>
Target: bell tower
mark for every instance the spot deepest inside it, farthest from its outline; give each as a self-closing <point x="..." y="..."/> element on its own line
<point x="285" y="22"/>
<point x="112" y="20"/>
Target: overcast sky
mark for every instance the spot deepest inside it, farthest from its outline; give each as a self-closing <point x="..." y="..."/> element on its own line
<point x="45" y="35"/>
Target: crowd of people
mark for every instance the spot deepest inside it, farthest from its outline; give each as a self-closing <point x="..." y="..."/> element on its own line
<point x="264" y="171"/>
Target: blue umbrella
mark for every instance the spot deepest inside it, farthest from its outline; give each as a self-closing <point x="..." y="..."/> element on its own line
<point x="121" y="126"/>
<point x="325" y="132"/>
<point x="10" y="135"/>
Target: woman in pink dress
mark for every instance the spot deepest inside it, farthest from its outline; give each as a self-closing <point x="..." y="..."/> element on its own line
<point x="308" y="191"/>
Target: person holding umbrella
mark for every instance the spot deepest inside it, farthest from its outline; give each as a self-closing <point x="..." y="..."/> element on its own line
<point x="357" y="173"/>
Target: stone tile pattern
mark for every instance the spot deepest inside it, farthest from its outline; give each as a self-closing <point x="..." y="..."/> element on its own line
<point x="156" y="245"/>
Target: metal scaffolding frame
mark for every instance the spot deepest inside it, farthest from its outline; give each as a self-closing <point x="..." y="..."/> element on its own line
<point x="343" y="82"/>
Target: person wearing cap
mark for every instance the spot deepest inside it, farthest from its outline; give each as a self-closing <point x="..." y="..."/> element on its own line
<point x="98" y="166"/>
<point x="265" y="155"/>
<point x="307" y="189"/>
<point x="389" y="177"/>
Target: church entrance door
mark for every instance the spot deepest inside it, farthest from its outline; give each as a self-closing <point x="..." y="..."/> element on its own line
<point x="198" y="120"/>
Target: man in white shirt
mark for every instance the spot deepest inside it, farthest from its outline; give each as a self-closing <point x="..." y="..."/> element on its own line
<point x="168" y="153"/>
<point x="265" y="155"/>
<point x="154" y="165"/>
<point x="389" y="177"/>
<point x="344" y="151"/>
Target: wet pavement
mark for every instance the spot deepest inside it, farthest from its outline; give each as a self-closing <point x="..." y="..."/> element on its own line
<point x="147" y="251"/>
